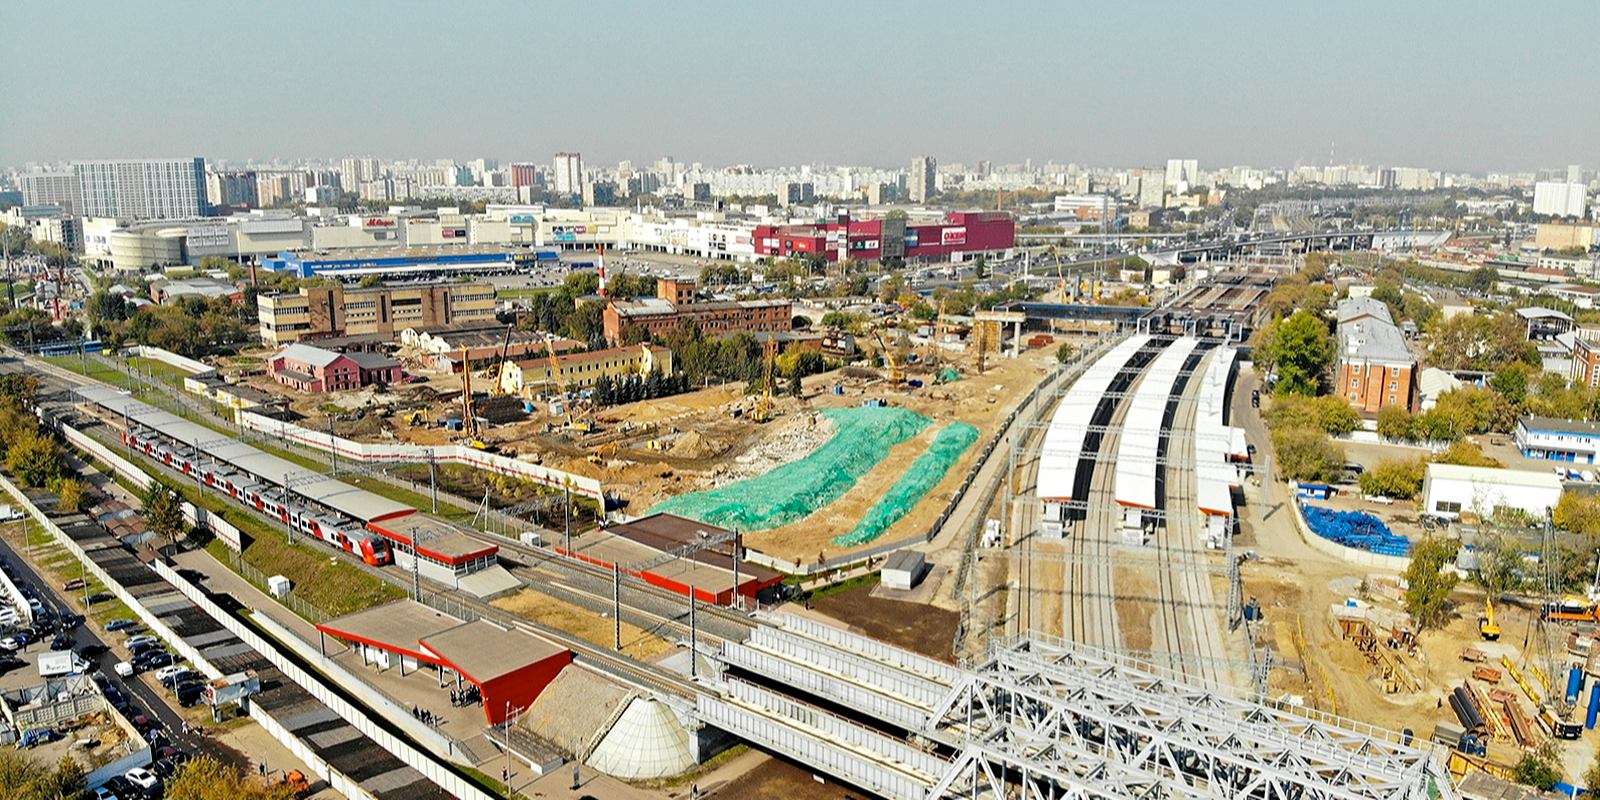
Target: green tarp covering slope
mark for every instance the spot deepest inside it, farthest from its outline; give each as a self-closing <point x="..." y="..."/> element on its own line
<point x="861" y="439"/>
<point x="925" y="473"/>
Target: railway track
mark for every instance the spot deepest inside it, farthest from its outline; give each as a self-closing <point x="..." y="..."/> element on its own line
<point x="1182" y="591"/>
<point x="1091" y="581"/>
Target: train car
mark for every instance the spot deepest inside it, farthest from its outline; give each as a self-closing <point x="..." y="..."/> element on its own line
<point x="371" y="548"/>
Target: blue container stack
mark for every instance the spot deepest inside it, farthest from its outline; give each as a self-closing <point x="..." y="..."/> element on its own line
<point x="1356" y="529"/>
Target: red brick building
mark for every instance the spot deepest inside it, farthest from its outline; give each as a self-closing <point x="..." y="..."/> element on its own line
<point x="312" y="369"/>
<point x="661" y="316"/>
<point x="1375" y="367"/>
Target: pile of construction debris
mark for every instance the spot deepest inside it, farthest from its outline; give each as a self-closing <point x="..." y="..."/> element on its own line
<point x="798" y="438"/>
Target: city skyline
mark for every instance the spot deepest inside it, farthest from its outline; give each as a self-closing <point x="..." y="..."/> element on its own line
<point x="1138" y="84"/>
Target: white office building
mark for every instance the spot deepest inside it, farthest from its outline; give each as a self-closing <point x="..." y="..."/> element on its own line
<point x="1560" y="199"/>
<point x="146" y="188"/>
<point x="52" y="189"/>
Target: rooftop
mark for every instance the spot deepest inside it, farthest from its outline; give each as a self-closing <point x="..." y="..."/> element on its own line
<point x="1539" y="312"/>
<point x="483" y="651"/>
<point x="1556" y="425"/>
<point x="306" y="354"/>
<point x="437" y="538"/>
<point x="1353" y="307"/>
<point x="372" y="360"/>
<point x="1494" y="476"/>
<point x="399" y="625"/>
<point x="1373" y="339"/>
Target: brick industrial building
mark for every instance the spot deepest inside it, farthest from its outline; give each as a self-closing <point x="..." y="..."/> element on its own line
<point x="341" y="311"/>
<point x="676" y="301"/>
<point x="312" y="369"/>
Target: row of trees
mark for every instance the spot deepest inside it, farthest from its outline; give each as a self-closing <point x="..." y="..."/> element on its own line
<point x="610" y="391"/>
<point x="32" y="456"/>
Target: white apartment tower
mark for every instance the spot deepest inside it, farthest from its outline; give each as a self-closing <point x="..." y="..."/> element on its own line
<point x="569" y="175"/>
<point x="1182" y="173"/>
<point x="52" y="189"/>
<point x="1560" y="199"/>
<point x="924" y="182"/>
<point x="145" y="188"/>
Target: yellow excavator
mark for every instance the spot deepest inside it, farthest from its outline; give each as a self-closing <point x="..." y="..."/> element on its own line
<point x="599" y="455"/>
<point x="1486" y="624"/>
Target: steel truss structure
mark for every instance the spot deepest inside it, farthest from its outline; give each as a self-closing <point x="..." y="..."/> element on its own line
<point x="1058" y="721"/>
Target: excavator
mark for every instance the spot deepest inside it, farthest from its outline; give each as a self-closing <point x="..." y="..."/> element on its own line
<point x="1486" y="624"/>
<point x="897" y="372"/>
<point x="764" y="406"/>
<point x="599" y="455"/>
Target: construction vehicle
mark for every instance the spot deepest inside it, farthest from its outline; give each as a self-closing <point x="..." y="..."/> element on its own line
<point x="295" y="780"/>
<point x="599" y="455"/>
<point x="416" y="418"/>
<point x="501" y="383"/>
<point x="1486" y="624"/>
<point x="897" y="372"/>
<point x="764" y="407"/>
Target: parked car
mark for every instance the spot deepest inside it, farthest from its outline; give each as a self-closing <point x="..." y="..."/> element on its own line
<point x="11" y="643"/>
<point x="92" y="650"/>
<point x="60" y="643"/>
<point x="75" y="583"/>
<point x="152" y="660"/>
<point x="143" y="778"/>
<point x="135" y="641"/>
<point x="120" y="624"/>
<point x="168" y="673"/>
<point x="101" y="597"/>
<point x="124" y="669"/>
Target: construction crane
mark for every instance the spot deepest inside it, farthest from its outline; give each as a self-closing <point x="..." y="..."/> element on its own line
<point x="500" y="377"/>
<point x="555" y="363"/>
<point x="469" y="411"/>
<point x="1486" y="624"/>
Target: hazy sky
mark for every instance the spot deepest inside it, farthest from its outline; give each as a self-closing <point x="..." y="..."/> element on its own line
<point x="1464" y="85"/>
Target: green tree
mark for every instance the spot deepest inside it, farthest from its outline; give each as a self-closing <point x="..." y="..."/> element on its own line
<point x="1466" y="454"/>
<point x="35" y="459"/>
<point x="1577" y="513"/>
<point x="1535" y="771"/>
<point x="1511" y="381"/>
<point x="205" y="778"/>
<point x="163" y="510"/>
<point x="1396" y="424"/>
<point x="69" y="494"/>
<point x="1064" y="352"/>
<point x="22" y="778"/>
<point x="1399" y="478"/>
<point x="1500" y="565"/>
<point x="1591" y="776"/>
<point x="371" y="280"/>
<point x="1328" y="412"/>
<point x="839" y="319"/>
<point x="1298" y="350"/>
<point x="1307" y="454"/>
<point x="1427" y="600"/>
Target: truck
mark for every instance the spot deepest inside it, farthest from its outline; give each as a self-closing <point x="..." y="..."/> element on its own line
<point x="65" y="662"/>
<point x="232" y="688"/>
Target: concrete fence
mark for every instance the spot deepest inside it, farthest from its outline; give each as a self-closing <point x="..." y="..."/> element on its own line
<point x="441" y="775"/>
<point x="420" y="454"/>
<point x="1365" y="558"/>
<point x="340" y="782"/>
<point x="168" y="357"/>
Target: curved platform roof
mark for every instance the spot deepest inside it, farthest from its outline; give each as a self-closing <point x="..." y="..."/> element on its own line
<point x="1063" y="440"/>
<point x="1140" y="446"/>
<point x="1215" y="442"/>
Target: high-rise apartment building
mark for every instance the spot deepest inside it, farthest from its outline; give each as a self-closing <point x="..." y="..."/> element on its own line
<point x="1560" y="199"/>
<point x="524" y="174"/>
<point x="924" y="182"/>
<point x="1182" y="173"/>
<point x="1152" y="187"/>
<point x="232" y="189"/>
<point x="146" y="188"/>
<point x="355" y="171"/>
<point x="568" y="175"/>
<point x="53" y="189"/>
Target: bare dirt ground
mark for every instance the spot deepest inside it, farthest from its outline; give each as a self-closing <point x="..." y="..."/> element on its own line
<point x="775" y="779"/>
<point x="914" y="626"/>
<point x="547" y="610"/>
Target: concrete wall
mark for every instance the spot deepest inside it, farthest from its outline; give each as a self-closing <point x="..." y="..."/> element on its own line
<point x="138" y="758"/>
<point x="169" y="357"/>
<point x="358" y="718"/>
<point x="1365" y="558"/>
<point x="15" y="597"/>
<point x="420" y="454"/>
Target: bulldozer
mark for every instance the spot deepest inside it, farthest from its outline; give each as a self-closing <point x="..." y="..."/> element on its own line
<point x="1486" y="624"/>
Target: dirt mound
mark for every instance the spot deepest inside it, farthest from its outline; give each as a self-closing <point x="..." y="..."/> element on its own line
<point x="693" y="445"/>
<point x="582" y="466"/>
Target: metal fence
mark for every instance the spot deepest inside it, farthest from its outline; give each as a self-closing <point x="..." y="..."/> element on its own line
<point x="255" y="576"/>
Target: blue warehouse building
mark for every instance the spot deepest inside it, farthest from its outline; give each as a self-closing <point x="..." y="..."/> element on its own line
<point x="306" y="265"/>
<point x="1558" y="439"/>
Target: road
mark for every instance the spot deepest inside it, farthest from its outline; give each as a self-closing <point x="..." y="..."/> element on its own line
<point x="144" y="698"/>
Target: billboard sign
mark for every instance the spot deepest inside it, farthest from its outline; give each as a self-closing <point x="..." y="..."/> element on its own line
<point x="953" y="236"/>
